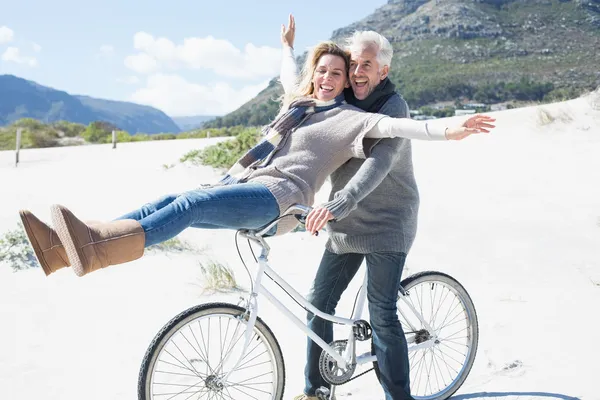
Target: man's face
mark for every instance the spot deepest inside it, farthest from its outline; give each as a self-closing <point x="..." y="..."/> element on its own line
<point x="365" y="72"/>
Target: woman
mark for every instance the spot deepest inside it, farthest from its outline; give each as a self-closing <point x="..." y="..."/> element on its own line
<point x="314" y="134"/>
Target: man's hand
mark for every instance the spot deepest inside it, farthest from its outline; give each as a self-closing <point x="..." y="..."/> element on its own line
<point x="474" y="125"/>
<point x="317" y="218"/>
<point x="288" y="34"/>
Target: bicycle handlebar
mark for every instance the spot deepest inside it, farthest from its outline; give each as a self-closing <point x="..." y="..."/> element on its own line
<point x="292" y="210"/>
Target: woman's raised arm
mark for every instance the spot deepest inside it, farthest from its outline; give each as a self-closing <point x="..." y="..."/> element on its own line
<point x="289" y="70"/>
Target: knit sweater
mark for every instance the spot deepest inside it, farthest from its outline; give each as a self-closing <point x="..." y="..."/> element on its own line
<point x="375" y="201"/>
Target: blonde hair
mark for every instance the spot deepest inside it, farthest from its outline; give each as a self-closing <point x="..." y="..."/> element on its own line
<point x="305" y="85"/>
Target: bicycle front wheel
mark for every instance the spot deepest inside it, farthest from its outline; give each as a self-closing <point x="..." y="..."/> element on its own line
<point x="192" y="353"/>
<point x="438" y="370"/>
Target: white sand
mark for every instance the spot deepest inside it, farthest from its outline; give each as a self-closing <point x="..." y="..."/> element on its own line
<point x="514" y="216"/>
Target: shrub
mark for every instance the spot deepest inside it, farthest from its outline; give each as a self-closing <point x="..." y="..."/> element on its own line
<point x="99" y="132"/>
<point x="224" y="154"/>
<point x="174" y="245"/>
<point x="545" y="117"/>
<point x="42" y="138"/>
<point x="218" y="277"/>
<point x="68" y="129"/>
<point x="16" y="251"/>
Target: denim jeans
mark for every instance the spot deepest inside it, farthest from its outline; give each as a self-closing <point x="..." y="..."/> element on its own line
<point x="244" y="205"/>
<point x="384" y="275"/>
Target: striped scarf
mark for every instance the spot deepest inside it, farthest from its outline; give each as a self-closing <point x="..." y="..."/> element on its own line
<point x="274" y="136"/>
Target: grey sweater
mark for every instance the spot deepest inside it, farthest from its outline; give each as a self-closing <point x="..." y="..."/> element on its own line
<point x="376" y="201"/>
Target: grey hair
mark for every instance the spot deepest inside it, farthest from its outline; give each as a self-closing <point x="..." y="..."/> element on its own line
<point x="361" y="40"/>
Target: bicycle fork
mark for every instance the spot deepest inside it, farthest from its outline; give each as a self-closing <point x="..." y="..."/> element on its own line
<point x="249" y="317"/>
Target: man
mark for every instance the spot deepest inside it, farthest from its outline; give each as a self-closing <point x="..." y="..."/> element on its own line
<point x="372" y="214"/>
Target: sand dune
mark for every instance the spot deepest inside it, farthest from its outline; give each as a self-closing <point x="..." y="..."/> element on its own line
<point x="514" y="216"/>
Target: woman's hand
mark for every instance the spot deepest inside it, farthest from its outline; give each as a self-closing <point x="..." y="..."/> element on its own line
<point x="474" y="125"/>
<point x="288" y="34"/>
<point x="317" y="218"/>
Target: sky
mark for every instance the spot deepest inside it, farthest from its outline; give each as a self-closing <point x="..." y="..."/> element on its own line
<point x="183" y="57"/>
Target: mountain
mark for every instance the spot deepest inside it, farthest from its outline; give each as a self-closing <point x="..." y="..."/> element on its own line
<point x="483" y="50"/>
<point x="192" y="122"/>
<point x="20" y="98"/>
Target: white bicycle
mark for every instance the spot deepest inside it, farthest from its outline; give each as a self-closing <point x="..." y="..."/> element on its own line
<point x="225" y="351"/>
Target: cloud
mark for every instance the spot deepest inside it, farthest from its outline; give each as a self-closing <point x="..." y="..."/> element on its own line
<point x="129" y="80"/>
<point x="13" y="54"/>
<point x="217" y="55"/>
<point x="36" y="47"/>
<point x="6" y="34"/>
<point x="141" y="63"/>
<point x="176" y="96"/>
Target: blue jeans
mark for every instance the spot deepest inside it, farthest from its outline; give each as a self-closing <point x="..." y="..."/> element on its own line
<point x="243" y="205"/>
<point x="384" y="275"/>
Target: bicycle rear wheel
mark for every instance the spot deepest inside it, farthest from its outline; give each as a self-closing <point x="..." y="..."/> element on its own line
<point x="438" y="371"/>
<point x="187" y="358"/>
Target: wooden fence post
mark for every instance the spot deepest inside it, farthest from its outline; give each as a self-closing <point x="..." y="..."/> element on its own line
<point x="19" y="131"/>
<point x="114" y="139"/>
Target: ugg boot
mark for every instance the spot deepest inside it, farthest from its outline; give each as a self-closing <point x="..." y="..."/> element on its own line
<point x="45" y="242"/>
<point x="91" y="247"/>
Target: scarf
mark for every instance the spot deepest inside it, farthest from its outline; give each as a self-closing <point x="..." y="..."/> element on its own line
<point x="375" y="100"/>
<point x="275" y="135"/>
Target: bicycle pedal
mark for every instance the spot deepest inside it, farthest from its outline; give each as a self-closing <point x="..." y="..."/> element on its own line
<point x="323" y="393"/>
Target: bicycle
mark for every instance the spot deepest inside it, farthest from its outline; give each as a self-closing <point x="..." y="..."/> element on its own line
<point x="245" y="360"/>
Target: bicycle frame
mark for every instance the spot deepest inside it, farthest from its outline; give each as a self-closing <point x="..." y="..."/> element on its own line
<point x="258" y="288"/>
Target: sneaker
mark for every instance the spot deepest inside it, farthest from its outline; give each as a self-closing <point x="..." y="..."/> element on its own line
<point x="307" y="397"/>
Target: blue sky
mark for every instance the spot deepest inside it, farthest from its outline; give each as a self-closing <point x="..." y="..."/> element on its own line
<point x="184" y="57"/>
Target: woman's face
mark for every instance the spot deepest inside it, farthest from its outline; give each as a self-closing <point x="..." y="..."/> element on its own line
<point x="329" y="78"/>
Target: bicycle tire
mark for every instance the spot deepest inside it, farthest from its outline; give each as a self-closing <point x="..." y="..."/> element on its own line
<point x="431" y="277"/>
<point x="195" y="314"/>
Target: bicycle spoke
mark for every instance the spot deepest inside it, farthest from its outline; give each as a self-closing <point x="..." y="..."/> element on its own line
<point x="175" y="373"/>
<point x="442" y="300"/>
<point x="241" y="367"/>
<point x="202" y="358"/>
<point x="182" y="364"/>
<point x="450" y="357"/>
<point x="236" y="387"/>
<point x="229" y="350"/>
<point x="455" y="340"/>
<point x="448" y="367"/>
<point x="451" y="310"/>
<point x="455" y="333"/>
<point x="184" y="391"/>
<point x="452" y="322"/>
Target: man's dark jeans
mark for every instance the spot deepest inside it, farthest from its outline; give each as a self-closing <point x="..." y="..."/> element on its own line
<point x="384" y="276"/>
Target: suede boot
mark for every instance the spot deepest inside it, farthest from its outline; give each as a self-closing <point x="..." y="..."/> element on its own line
<point x="45" y="242"/>
<point x="91" y="247"/>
